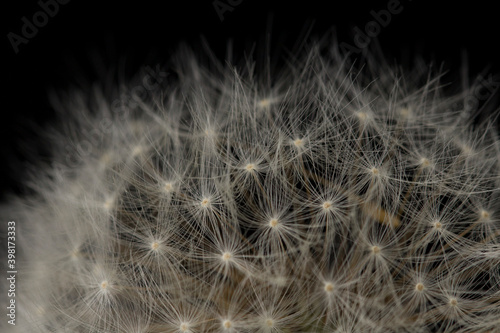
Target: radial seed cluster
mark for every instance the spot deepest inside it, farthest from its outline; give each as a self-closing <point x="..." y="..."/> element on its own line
<point x="323" y="197"/>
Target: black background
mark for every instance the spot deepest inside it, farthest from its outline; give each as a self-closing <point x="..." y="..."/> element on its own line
<point x="142" y="32"/>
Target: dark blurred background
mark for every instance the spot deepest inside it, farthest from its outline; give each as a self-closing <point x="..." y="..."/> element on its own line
<point x="83" y="39"/>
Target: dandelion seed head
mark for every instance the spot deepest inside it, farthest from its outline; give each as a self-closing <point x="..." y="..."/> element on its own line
<point x="264" y="103"/>
<point x="376" y="250"/>
<point x="273" y="223"/>
<point x="425" y="162"/>
<point x="227" y="256"/>
<point x="168" y="187"/>
<point x="327" y="205"/>
<point x="352" y="202"/>
<point x="108" y="204"/>
<point x="466" y="149"/>
<point x="484" y="215"/>
<point x="209" y="133"/>
<point x="329" y="287"/>
<point x="104" y="285"/>
<point x="405" y="113"/>
<point x="205" y="202"/>
<point x="250" y="167"/>
<point x="136" y="150"/>
<point x="362" y="116"/>
<point x="227" y="324"/>
<point x="184" y="327"/>
<point x="155" y="246"/>
<point x="437" y="225"/>
<point x="299" y="143"/>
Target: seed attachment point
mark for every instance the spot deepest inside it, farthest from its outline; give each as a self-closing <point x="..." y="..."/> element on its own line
<point x="226" y="256"/>
<point x="227" y="324"/>
<point x="205" y="202"/>
<point x="375" y="250"/>
<point x="298" y="143"/>
<point x="273" y="223"/>
<point x="104" y="285"/>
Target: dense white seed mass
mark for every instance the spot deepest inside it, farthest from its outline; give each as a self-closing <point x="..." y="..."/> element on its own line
<point x="328" y="199"/>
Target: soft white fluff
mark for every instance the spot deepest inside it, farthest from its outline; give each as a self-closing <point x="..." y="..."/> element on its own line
<point x="333" y="198"/>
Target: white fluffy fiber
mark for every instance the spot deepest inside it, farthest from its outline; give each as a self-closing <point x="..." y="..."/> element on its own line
<point x="321" y="198"/>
